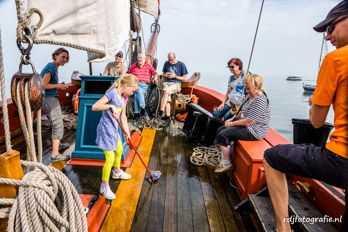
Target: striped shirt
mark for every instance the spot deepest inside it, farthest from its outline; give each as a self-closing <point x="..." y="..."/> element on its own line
<point x="257" y="109"/>
<point x="142" y="73"/>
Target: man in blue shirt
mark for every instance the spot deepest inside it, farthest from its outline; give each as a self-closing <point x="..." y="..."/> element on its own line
<point x="174" y="72"/>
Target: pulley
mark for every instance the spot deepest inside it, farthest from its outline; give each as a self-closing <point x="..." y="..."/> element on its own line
<point x="35" y="85"/>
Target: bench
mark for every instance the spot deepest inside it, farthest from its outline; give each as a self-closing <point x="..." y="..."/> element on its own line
<point x="249" y="177"/>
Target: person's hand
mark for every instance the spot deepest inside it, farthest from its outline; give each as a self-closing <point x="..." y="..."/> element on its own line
<point x="114" y="111"/>
<point x="62" y="86"/>
<point x="228" y="124"/>
<point x="220" y="107"/>
<point x="172" y="76"/>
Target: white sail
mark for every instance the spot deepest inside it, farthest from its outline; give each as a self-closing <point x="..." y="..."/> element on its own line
<point x="149" y="6"/>
<point x="98" y="26"/>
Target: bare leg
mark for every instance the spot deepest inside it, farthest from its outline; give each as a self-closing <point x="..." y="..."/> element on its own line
<point x="278" y="191"/>
<point x="164" y="100"/>
<point x="168" y="109"/>
<point x="55" y="147"/>
<point x="225" y="152"/>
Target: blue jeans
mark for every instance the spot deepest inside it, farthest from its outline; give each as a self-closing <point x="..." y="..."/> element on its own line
<point x="139" y="97"/>
<point x="223" y="113"/>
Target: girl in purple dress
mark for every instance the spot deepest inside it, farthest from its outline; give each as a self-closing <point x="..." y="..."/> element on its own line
<point x="113" y="105"/>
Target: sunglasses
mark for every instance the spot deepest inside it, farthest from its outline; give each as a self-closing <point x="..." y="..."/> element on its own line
<point x="119" y="56"/>
<point x="232" y="66"/>
<point x="331" y="27"/>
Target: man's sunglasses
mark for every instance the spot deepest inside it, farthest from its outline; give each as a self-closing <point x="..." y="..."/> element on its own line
<point x="231" y="66"/>
<point x="331" y="27"/>
<point x="119" y="56"/>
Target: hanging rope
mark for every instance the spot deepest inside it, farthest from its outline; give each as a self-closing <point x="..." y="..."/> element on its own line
<point x="4" y="102"/>
<point x="46" y="201"/>
<point x="27" y="90"/>
<point x="206" y="155"/>
<point x="257" y="28"/>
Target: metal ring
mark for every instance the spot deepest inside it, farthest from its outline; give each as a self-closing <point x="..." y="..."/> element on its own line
<point x="155" y="27"/>
<point x="27" y="61"/>
<point x="28" y="39"/>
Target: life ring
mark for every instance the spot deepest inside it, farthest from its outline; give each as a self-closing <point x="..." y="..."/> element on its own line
<point x="76" y="101"/>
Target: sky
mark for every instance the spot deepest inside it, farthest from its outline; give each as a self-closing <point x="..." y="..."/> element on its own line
<point x="205" y="34"/>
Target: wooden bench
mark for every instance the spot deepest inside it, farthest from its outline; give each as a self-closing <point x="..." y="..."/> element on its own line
<point x="249" y="177"/>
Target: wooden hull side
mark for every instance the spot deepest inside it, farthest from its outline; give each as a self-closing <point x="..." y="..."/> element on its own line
<point x="249" y="170"/>
<point x="14" y="119"/>
<point x="207" y="98"/>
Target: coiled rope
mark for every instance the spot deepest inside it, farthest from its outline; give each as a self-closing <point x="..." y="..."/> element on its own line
<point x="46" y="201"/>
<point x="206" y="155"/>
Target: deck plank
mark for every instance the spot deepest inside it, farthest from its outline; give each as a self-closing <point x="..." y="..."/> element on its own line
<point x="243" y="220"/>
<point x="185" y="220"/>
<point x="156" y="213"/>
<point x="199" y="214"/>
<point x="122" y="210"/>
<point x="170" y="223"/>
<point x="211" y="204"/>
<point x="224" y="206"/>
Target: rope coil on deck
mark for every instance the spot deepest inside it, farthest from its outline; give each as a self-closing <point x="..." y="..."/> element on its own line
<point x="46" y="201"/>
<point x="206" y="155"/>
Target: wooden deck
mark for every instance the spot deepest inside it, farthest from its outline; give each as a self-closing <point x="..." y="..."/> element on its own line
<point x="186" y="197"/>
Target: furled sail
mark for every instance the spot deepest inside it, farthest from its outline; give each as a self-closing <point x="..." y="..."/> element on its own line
<point x="97" y="26"/>
<point x="149" y="6"/>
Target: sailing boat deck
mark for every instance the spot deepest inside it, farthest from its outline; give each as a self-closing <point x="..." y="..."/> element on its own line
<point x="186" y="197"/>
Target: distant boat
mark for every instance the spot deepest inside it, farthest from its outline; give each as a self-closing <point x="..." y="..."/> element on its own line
<point x="308" y="87"/>
<point x="294" y="78"/>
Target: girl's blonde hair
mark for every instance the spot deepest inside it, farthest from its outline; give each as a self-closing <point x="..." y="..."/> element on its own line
<point x="124" y="79"/>
<point x="254" y="80"/>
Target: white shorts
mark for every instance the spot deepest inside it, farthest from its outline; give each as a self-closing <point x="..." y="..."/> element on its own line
<point x="172" y="87"/>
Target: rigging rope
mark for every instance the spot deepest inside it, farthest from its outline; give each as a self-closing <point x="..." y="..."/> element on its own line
<point x="46" y="201"/>
<point x="257" y="28"/>
<point x="4" y="102"/>
<point x="206" y="155"/>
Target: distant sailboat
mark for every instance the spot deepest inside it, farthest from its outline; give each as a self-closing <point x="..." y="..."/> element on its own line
<point x="310" y="87"/>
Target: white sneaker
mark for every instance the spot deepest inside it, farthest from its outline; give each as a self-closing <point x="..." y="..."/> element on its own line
<point x="121" y="175"/>
<point x="222" y="167"/>
<point x="106" y="191"/>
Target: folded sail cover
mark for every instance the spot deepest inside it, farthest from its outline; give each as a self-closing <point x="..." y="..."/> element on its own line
<point x="98" y="26"/>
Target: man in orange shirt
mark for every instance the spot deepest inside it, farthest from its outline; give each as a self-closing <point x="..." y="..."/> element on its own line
<point x="329" y="164"/>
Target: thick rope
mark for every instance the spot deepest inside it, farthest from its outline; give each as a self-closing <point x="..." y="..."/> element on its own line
<point x="39" y="136"/>
<point x="46" y="201"/>
<point x="29" y="117"/>
<point x="183" y="98"/>
<point x="22" y="120"/>
<point x="4" y="102"/>
<point x="206" y="155"/>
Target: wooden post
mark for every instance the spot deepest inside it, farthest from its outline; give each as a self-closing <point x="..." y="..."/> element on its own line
<point x="10" y="167"/>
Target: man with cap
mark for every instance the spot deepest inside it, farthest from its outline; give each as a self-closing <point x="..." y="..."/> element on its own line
<point x="115" y="68"/>
<point x="330" y="163"/>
